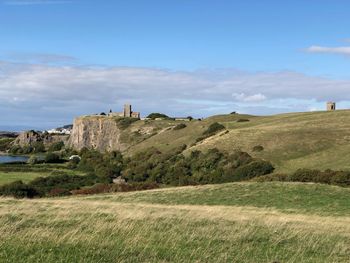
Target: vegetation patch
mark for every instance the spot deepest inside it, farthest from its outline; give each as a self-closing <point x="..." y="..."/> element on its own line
<point x="157" y="115"/>
<point x="242" y="120"/>
<point x="5" y="144"/>
<point x="124" y="123"/>
<point x="199" y="167"/>
<point x="258" y="148"/>
<point x="180" y="126"/>
<point x="340" y="178"/>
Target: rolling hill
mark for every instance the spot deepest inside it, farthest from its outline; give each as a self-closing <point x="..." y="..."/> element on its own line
<point x="295" y="140"/>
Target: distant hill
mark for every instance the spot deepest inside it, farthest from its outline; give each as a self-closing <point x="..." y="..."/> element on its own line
<point x="290" y="141"/>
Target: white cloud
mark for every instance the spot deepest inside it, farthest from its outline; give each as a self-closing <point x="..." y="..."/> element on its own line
<point x="249" y="98"/>
<point x="331" y="50"/>
<point x="46" y="94"/>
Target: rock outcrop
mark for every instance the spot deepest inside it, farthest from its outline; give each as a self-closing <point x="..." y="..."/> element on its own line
<point x="30" y="137"/>
<point x="97" y="132"/>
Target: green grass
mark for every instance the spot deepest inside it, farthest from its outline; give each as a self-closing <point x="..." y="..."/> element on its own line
<point x="26" y="173"/>
<point x="245" y="222"/>
<point x="285" y="197"/>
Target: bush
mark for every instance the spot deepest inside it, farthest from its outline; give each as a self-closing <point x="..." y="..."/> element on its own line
<point x="32" y="160"/>
<point x="5" y="144"/>
<point x="52" y="158"/>
<point x="124" y="123"/>
<point x="258" y="148"/>
<point x="38" y="147"/>
<point x="180" y="126"/>
<point x="48" y="186"/>
<point x="199" y="167"/>
<point x="18" y="189"/>
<point x="340" y="178"/>
<point x="213" y="128"/>
<point x="57" y="146"/>
<point x="251" y="170"/>
<point x="157" y="115"/>
<point x="16" y="149"/>
<point x="242" y="120"/>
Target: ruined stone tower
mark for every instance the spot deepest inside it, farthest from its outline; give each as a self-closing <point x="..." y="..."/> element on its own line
<point x="127" y="111"/>
<point x="330" y="106"/>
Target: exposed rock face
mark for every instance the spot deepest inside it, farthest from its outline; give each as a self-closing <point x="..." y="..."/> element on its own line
<point x="30" y="137"/>
<point x="97" y="132"/>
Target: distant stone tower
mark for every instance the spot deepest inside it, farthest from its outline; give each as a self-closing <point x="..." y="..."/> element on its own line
<point x="330" y="106"/>
<point x="127" y="111"/>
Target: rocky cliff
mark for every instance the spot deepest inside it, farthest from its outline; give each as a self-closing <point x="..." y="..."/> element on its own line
<point x="97" y="132"/>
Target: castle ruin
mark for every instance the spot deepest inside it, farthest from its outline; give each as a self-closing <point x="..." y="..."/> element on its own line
<point x="330" y="106"/>
<point x="127" y="113"/>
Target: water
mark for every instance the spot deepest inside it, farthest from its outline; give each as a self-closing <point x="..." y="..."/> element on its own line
<point x="12" y="159"/>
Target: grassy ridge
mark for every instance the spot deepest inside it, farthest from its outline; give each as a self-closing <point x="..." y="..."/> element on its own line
<point x="291" y="141"/>
<point x="192" y="224"/>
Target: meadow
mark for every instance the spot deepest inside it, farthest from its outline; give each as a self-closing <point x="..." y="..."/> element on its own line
<point x="235" y="222"/>
<point x="26" y="173"/>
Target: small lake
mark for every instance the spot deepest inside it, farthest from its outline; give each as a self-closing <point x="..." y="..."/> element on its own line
<point x="12" y="159"/>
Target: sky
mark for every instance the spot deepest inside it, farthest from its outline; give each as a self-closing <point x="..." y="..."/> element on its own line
<point x="64" y="58"/>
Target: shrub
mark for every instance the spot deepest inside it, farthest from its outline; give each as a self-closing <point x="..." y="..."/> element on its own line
<point x="157" y="115"/>
<point x="64" y="182"/>
<point x="180" y="126"/>
<point x="252" y="169"/>
<point x="52" y="158"/>
<point x="57" y="146"/>
<point x="340" y="178"/>
<point x="258" y="148"/>
<point x="5" y="144"/>
<point x="38" y="147"/>
<point x="242" y="120"/>
<point x="124" y="123"/>
<point x="16" y="149"/>
<point x="18" y="189"/>
<point x="32" y="160"/>
<point x="213" y="128"/>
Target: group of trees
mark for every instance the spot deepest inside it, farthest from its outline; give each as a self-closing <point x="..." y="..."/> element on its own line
<point x="198" y="167"/>
<point x="144" y="170"/>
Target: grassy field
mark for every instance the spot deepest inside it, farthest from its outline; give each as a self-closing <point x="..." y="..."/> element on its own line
<point x="26" y="173"/>
<point x="237" y="222"/>
<point x="291" y="141"/>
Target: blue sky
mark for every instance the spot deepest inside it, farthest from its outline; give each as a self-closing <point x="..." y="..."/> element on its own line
<point x="184" y="56"/>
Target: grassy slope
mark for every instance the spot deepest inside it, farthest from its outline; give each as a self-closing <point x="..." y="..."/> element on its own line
<point x="291" y="141"/>
<point x="246" y="222"/>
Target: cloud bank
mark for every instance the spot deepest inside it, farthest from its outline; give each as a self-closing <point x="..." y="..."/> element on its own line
<point x="330" y="50"/>
<point x="46" y="95"/>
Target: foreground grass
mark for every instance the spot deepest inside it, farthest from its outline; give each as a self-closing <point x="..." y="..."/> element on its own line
<point x="135" y="227"/>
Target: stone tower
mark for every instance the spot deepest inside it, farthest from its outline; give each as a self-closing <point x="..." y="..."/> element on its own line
<point x="330" y="106"/>
<point x="127" y="111"/>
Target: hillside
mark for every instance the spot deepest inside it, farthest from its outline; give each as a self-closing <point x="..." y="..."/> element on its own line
<point x="296" y="140"/>
<point x="236" y="222"/>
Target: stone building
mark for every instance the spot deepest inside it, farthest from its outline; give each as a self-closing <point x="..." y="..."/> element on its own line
<point x="330" y="106"/>
<point x="127" y="113"/>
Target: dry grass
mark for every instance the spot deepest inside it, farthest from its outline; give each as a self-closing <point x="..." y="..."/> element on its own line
<point x="104" y="229"/>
